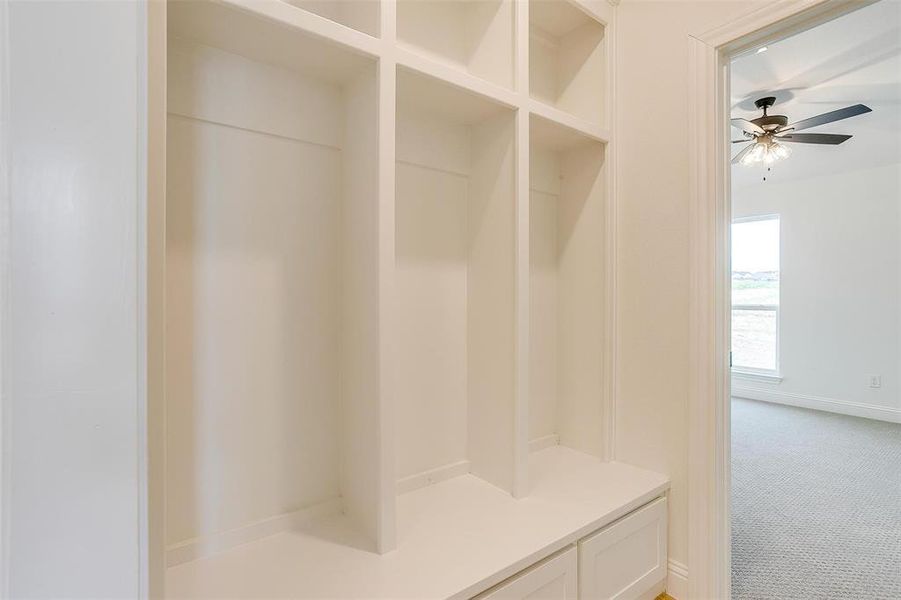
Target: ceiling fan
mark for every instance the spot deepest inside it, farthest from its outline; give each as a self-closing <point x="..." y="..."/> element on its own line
<point x="767" y="133"/>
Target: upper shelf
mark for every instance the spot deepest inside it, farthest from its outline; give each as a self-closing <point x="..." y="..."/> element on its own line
<point x="424" y="93"/>
<point x="474" y="37"/>
<point x="467" y="44"/>
<point x="557" y="137"/>
<point x="275" y="33"/>
<point x="568" y="59"/>
<point x="362" y="15"/>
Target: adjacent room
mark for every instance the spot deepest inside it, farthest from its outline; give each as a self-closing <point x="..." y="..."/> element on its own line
<point x="816" y="312"/>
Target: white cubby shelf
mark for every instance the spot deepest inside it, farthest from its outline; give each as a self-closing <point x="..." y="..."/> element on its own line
<point x="387" y="325"/>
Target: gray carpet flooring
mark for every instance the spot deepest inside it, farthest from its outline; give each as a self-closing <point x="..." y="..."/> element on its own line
<point x="816" y="505"/>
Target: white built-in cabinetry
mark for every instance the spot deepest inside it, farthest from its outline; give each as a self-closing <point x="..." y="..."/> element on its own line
<point x="626" y="560"/>
<point x="384" y="358"/>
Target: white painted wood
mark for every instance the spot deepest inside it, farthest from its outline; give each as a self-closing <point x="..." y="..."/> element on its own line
<point x="555" y="578"/>
<point x="543" y="442"/>
<point x="436" y="475"/>
<point x="430" y="299"/>
<point x="605" y="11"/>
<point x="254" y="322"/>
<point x="521" y="262"/>
<point x="575" y="126"/>
<point x="567" y="62"/>
<point x="544" y="323"/>
<point x="491" y="442"/>
<point x="461" y="79"/>
<point x="582" y="310"/>
<point x="486" y="536"/>
<point x="195" y="548"/>
<point x="276" y="33"/>
<point x="385" y="421"/>
<point x="627" y="559"/>
<point x="677" y="580"/>
<point x="475" y="37"/>
<point x="72" y="387"/>
<point x="454" y="283"/>
<point x="273" y="302"/>
<point x="213" y="85"/>
<point x="568" y="322"/>
<point x="390" y="177"/>
<point x="362" y="15"/>
<point x="361" y="466"/>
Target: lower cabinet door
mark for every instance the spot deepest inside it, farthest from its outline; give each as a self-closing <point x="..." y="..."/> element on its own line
<point x="552" y="579"/>
<point x="627" y="559"/>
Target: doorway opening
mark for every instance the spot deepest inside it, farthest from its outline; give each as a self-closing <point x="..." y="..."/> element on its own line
<point x="815" y="328"/>
<point x="711" y="55"/>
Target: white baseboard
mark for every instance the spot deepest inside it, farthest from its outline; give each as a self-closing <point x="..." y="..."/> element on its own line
<point x="842" y="407"/>
<point x="544" y="442"/>
<point x="420" y="480"/>
<point x="676" y="580"/>
<point x="195" y="548"/>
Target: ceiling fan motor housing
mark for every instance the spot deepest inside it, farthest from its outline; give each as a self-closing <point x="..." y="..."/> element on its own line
<point x="769" y="122"/>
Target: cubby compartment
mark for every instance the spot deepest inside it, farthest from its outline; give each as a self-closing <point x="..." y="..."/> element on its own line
<point x="567" y="288"/>
<point x="475" y="36"/>
<point x="455" y="194"/>
<point x="271" y="243"/>
<point x="568" y="59"/>
<point x="362" y="15"/>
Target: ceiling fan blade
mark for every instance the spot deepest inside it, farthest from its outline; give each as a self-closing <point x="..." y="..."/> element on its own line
<point x="832" y="139"/>
<point x="747" y="126"/>
<point x="741" y="154"/>
<point x="829" y="117"/>
<point x="741" y="141"/>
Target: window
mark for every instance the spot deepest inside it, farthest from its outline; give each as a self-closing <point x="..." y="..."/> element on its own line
<point x="755" y="295"/>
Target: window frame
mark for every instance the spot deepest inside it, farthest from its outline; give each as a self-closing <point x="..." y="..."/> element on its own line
<point x="755" y="372"/>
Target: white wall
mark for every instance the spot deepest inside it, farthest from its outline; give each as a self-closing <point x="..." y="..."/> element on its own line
<point x="72" y="413"/>
<point x="652" y="229"/>
<point x="840" y="275"/>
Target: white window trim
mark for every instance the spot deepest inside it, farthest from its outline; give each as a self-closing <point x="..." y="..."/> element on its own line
<point x="752" y="376"/>
<point x="769" y="375"/>
<point x="766" y="217"/>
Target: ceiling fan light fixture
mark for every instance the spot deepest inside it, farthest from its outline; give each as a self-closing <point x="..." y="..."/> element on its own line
<point x="766" y="151"/>
<point x="780" y="151"/>
<point x="756" y="154"/>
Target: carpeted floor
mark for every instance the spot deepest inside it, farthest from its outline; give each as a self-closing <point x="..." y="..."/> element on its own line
<point x="816" y="505"/>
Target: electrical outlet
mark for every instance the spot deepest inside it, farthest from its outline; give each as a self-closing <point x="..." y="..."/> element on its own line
<point x="874" y="381"/>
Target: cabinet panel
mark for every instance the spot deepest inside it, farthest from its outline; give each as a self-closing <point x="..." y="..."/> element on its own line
<point x="554" y="579"/>
<point x="626" y="560"/>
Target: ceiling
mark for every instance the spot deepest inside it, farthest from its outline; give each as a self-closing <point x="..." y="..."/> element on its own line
<point x="853" y="59"/>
